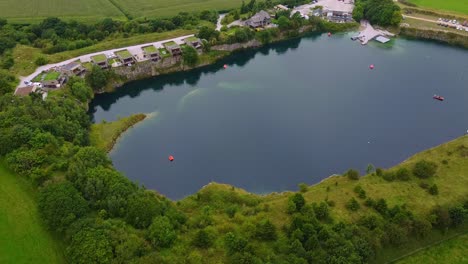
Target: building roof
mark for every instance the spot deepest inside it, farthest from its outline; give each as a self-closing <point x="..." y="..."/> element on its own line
<point x="171" y="45"/>
<point x="151" y="49"/>
<point x="192" y="39"/>
<point x="99" y="58"/>
<point x="71" y="66"/>
<point x="259" y="17"/>
<point x="23" y="91"/>
<point x="123" y="54"/>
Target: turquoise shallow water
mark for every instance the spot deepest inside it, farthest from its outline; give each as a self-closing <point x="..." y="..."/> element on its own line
<point x="293" y="112"/>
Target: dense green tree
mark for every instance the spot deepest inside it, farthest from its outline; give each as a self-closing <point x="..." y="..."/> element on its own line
<point x="458" y="215"/>
<point x="235" y="243"/>
<point x="96" y="78"/>
<point x="203" y="239"/>
<point x="298" y="200"/>
<point x="352" y="174"/>
<point x="265" y="230"/>
<point x="86" y="158"/>
<point x="161" y="233"/>
<point x="60" y="204"/>
<point x="322" y="211"/>
<point x="208" y="33"/>
<point x="81" y="91"/>
<point x="190" y="56"/>
<point x="90" y="245"/>
<point x="142" y="207"/>
<point x="283" y="23"/>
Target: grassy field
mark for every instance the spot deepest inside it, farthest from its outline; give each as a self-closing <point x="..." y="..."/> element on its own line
<point x="105" y="135"/>
<point x="459" y="6"/>
<point x="26" y="11"/>
<point x="22" y="238"/>
<point x="169" y="8"/>
<point x="451" y="251"/>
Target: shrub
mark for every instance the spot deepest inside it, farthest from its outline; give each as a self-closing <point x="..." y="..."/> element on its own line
<point x="424" y="169"/>
<point x="369" y="202"/>
<point x="381" y="206"/>
<point x="232" y="210"/>
<point x="331" y="203"/>
<point x="265" y="230"/>
<point x="298" y="201"/>
<point x="322" y="212"/>
<point x="433" y="190"/>
<point x="352" y="174"/>
<point x="421" y="227"/>
<point x="458" y="215"/>
<point x="203" y="239"/>
<point x="161" y="233"/>
<point x="424" y="185"/>
<point x="353" y="205"/>
<point x="389" y="176"/>
<point x="379" y="171"/>
<point x="360" y="192"/>
<point x="303" y="187"/>
<point x="403" y="174"/>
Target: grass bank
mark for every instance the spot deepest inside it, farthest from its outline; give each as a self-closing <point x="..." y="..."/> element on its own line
<point x="451" y="178"/>
<point x="105" y="135"/>
<point x="450" y="251"/>
<point x="23" y="239"/>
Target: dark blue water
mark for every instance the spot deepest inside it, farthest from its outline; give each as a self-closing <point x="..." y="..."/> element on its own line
<point x="293" y="112"/>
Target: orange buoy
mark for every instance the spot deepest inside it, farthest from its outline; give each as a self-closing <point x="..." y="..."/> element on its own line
<point x="225" y="66"/>
<point x="171" y="158"/>
<point x="329" y="34"/>
<point x="371" y="66"/>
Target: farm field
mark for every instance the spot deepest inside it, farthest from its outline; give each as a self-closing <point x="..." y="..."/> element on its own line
<point x="169" y="8"/>
<point x="27" y="11"/>
<point x="23" y="239"/>
<point x="459" y="6"/>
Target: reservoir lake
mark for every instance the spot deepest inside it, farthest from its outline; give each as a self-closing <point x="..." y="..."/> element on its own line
<point x="292" y="112"/>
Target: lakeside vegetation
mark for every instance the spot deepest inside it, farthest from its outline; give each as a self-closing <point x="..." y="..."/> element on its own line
<point x="105" y="134"/>
<point x="23" y="236"/>
<point x="102" y="217"/>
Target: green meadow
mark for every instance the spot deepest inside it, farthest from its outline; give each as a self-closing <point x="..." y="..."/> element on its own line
<point x="23" y="238"/>
<point x="459" y="6"/>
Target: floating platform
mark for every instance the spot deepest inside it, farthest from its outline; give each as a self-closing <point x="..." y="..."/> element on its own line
<point x="382" y="39"/>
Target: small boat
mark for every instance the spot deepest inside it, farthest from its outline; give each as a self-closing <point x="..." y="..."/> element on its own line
<point x="438" y="97"/>
<point x="171" y="158"/>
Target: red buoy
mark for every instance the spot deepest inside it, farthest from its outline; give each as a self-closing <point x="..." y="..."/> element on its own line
<point x="225" y="66"/>
<point x="371" y="66"/>
<point x="171" y="158"/>
<point x="329" y="34"/>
